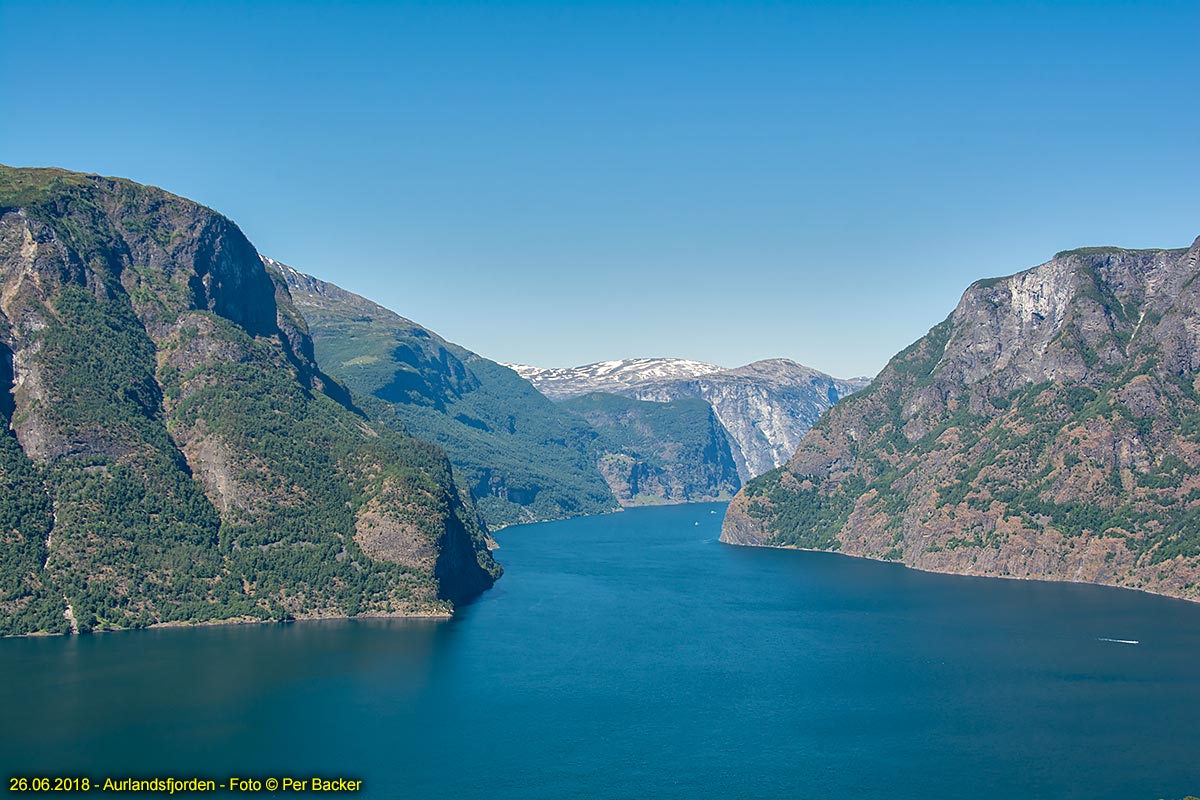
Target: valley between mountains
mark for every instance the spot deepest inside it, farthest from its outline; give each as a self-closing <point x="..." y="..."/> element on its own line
<point x="194" y="432"/>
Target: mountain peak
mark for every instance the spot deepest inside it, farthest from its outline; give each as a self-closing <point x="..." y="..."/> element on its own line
<point x="766" y="406"/>
<point x="1045" y="429"/>
<point x="163" y="400"/>
<point x="610" y="376"/>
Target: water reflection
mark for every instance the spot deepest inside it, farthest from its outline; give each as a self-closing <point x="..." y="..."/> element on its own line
<point x="188" y="696"/>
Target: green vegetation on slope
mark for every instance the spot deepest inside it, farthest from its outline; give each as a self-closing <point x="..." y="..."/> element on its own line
<point x="520" y="456"/>
<point x="178" y="457"/>
<point x="27" y="600"/>
<point x="1065" y="445"/>
<point x="122" y="491"/>
<point x="659" y="452"/>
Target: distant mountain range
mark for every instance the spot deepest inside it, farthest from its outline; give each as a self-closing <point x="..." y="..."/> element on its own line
<point x="523" y="457"/>
<point x="615" y="377"/>
<point x="766" y="407"/>
<point x="191" y="432"/>
<point x="1048" y="428"/>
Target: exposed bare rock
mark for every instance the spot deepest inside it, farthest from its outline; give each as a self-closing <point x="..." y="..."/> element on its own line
<point x="1049" y="428"/>
<point x="766" y="407"/>
<point x="169" y="449"/>
<point x="385" y="538"/>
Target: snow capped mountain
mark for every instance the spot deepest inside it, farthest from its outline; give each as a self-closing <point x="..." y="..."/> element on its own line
<point x="616" y="377"/>
<point x="766" y="406"/>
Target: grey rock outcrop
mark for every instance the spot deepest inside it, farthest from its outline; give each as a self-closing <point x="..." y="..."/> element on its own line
<point x="1048" y="428"/>
<point x="766" y="406"/>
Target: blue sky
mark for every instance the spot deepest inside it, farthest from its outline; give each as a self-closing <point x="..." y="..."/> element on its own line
<point x="559" y="183"/>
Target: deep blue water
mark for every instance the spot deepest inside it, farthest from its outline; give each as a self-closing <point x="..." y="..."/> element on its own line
<point x="634" y="656"/>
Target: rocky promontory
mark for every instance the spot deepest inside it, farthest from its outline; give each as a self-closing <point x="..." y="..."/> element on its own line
<point x="170" y="452"/>
<point x="1048" y="428"/>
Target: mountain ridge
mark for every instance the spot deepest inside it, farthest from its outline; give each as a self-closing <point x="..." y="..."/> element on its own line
<point x="1048" y="428"/>
<point x="562" y="383"/>
<point x="170" y="451"/>
<point x="523" y="458"/>
<point x="766" y="406"/>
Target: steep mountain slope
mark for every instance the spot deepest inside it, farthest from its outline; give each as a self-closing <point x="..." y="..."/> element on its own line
<point x="766" y="406"/>
<point x="650" y="453"/>
<point x="171" y="453"/>
<point x="523" y="458"/>
<point x="1048" y="428"/>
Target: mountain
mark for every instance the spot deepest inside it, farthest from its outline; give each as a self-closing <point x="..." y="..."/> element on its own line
<point x="614" y="377"/>
<point x="1048" y="428"/>
<point x="170" y="452"/>
<point x="649" y="453"/>
<point x="766" y="407"/>
<point x="523" y="457"/>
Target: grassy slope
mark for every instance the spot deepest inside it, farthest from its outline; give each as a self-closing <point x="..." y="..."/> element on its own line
<point x="521" y="456"/>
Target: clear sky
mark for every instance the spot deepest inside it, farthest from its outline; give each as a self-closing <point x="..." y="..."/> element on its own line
<point x="560" y="183"/>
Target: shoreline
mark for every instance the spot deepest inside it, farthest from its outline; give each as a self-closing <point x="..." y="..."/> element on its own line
<point x="622" y="507"/>
<point x="435" y="616"/>
<point x="962" y="574"/>
<point x="444" y="616"/>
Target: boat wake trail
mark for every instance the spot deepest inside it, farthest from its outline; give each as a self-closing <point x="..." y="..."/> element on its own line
<point x="1117" y="641"/>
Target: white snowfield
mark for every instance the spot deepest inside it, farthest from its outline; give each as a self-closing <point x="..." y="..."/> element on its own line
<point x="608" y="376"/>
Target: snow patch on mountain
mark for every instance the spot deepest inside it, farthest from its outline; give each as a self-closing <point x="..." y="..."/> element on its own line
<point x="766" y="407"/>
<point x="611" y="376"/>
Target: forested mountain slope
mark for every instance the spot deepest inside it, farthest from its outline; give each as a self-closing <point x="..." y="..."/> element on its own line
<point x="169" y="450"/>
<point x="523" y="458"/>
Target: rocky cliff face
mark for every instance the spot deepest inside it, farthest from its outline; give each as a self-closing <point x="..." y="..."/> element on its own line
<point x="523" y="458"/>
<point x="170" y="450"/>
<point x="766" y="407"/>
<point x="1049" y="428"/>
<point x="652" y="453"/>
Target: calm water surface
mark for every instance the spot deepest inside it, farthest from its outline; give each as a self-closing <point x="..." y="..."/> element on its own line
<point x="633" y="656"/>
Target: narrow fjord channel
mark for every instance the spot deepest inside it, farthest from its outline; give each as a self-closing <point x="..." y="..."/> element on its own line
<point x="632" y="656"/>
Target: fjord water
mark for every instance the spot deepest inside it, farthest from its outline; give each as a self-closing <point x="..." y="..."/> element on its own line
<point x="633" y="655"/>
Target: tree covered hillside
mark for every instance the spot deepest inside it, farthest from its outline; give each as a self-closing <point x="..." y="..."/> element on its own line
<point x="523" y="458"/>
<point x="170" y="451"/>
